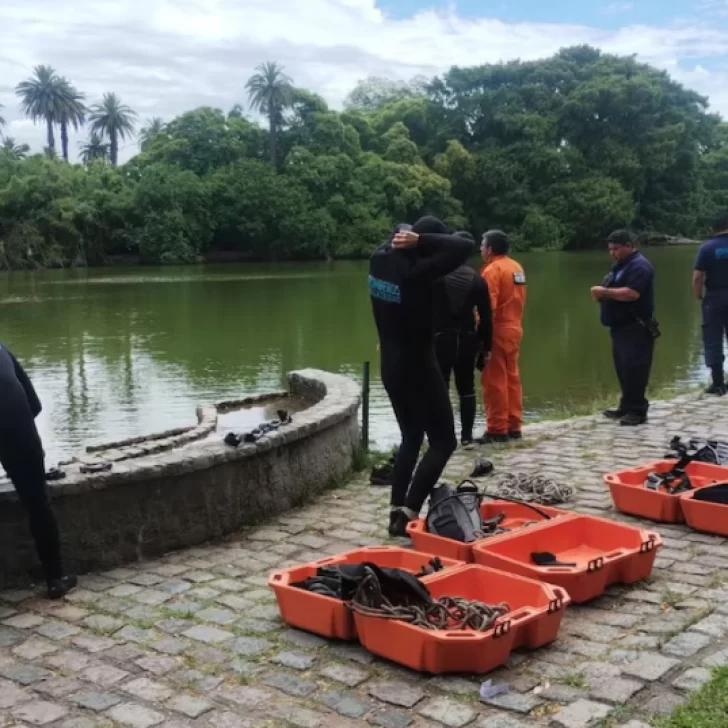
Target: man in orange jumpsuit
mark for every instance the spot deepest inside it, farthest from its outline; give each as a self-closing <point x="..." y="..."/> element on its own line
<point x="501" y="379"/>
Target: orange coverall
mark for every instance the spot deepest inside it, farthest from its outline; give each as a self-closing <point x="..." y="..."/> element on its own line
<point x="501" y="380"/>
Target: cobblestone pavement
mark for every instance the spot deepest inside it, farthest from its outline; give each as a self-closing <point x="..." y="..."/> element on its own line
<point x="193" y="639"/>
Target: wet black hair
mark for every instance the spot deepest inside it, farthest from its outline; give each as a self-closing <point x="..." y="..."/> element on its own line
<point x="621" y="237"/>
<point x="430" y="224"/>
<point x="497" y="241"/>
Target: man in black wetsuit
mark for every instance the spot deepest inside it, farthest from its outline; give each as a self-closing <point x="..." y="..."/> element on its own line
<point x="459" y="341"/>
<point x="21" y="455"/>
<point x="402" y="276"/>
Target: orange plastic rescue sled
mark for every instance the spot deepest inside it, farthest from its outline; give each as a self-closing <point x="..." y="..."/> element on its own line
<point x="327" y="616"/>
<point x="631" y="496"/>
<point x="533" y="620"/>
<point x="599" y="553"/>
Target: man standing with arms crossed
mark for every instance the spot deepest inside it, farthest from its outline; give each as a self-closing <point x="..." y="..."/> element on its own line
<point x="501" y="379"/>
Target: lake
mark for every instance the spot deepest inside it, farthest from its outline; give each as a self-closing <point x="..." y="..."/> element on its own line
<point x="123" y="352"/>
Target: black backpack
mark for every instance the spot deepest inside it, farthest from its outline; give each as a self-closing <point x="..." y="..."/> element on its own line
<point x="455" y="513"/>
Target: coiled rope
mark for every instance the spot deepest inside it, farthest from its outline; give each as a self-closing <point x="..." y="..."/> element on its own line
<point x="451" y="613"/>
<point x="531" y="489"/>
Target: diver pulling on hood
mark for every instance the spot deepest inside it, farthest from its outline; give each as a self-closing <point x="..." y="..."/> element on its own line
<point x="403" y="273"/>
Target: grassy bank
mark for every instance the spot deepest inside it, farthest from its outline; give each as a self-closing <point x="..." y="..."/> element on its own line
<point x="707" y="708"/>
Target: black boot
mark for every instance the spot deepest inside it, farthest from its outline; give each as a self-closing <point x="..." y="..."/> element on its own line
<point x="58" y="588"/>
<point x="718" y="387"/>
<point x="398" y="521"/>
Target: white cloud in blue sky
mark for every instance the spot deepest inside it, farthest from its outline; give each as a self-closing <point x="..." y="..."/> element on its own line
<point x="165" y="56"/>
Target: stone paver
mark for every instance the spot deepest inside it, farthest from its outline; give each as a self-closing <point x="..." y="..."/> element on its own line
<point x="194" y="638"/>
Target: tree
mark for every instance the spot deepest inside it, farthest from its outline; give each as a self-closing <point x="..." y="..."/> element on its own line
<point x="71" y="111"/>
<point x="270" y="91"/>
<point x="374" y="92"/>
<point x="114" y="120"/>
<point x="94" y="148"/>
<point x="12" y="150"/>
<point x="151" y="129"/>
<point x="2" y="120"/>
<point x="42" y="97"/>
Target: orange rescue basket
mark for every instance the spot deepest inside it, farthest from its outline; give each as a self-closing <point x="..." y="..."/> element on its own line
<point x="631" y="496"/>
<point x="517" y="516"/>
<point x="331" y="617"/>
<point x="604" y="553"/>
<point x="536" y="611"/>
<point x="705" y="516"/>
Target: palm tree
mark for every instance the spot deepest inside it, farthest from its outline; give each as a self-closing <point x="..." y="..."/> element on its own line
<point x="153" y="127"/>
<point x="113" y="119"/>
<point x="270" y="91"/>
<point x="42" y="96"/>
<point x="94" y="148"/>
<point x="15" y="151"/>
<point x="71" y="111"/>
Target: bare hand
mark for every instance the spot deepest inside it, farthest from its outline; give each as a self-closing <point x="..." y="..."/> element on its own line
<point x="597" y="292"/>
<point x="405" y="239"/>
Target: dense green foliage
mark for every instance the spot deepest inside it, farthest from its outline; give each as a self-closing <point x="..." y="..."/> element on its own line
<point x="557" y="152"/>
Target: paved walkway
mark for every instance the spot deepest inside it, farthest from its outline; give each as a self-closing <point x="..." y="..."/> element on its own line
<point x="193" y="639"/>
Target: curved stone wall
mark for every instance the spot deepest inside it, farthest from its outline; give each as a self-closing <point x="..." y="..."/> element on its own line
<point x="153" y="501"/>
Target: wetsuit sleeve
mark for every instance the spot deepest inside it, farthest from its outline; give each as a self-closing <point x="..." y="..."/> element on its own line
<point x="440" y="255"/>
<point x="30" y="393"/>
<point x="485" y="314"/>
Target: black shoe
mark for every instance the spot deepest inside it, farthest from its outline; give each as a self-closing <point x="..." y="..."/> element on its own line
<point x="58" y="588"/>
<point x="632" y="420"/>
<point x="515" y="435"/>
<point x="398" y="521"/>
<point x="614" y="414"/>
<point x="718" y="390"/>
<point x="492" y="439"/>
<point x="466" y="443"/>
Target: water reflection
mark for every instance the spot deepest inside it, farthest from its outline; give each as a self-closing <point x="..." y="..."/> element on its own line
<point x="117" y="353"/>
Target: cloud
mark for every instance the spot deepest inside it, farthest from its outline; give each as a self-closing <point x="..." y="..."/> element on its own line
<point x="617" y="8"/>
<point x="165" y="56"/>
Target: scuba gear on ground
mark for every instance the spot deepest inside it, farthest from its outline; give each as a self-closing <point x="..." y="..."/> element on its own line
<point x="701" y="451"/>
<point x="234" y="439"/>
<point x="717" y="493"/>
<point x="674" y="481"/>
<point x="481" y="468"/>
<point x="454" y="513"/>
<point x="523" y="488"/>
<point x="376" y="597"/>
<point x="546" y="558"/>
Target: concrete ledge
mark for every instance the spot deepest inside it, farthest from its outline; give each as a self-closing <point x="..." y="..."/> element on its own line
<point x="203" y="491"/>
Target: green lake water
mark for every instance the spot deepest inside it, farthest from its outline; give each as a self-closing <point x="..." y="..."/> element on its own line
<point x="123" y="352"/>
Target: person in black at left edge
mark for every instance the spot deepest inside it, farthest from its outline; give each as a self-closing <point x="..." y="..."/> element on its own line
<point x="459" y="340"/>
<point x="627" y="304"/>
<point x="22" y="457"/>
<point x="402" y="274"/>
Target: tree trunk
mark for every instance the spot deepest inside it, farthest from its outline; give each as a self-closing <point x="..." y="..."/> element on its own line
<point x="114" y="148"/>
<point x="64" y="140"/>
<point x="51" y="135"/>
<point x="272" y="126"/>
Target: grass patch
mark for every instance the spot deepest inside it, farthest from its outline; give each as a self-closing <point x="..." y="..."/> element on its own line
<point x="707" y="708"/>
<point x="574" y="680"/>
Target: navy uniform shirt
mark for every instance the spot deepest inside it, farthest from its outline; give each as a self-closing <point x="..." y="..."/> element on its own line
<point x="635" y="272"/>
<point x="713" y="261"/>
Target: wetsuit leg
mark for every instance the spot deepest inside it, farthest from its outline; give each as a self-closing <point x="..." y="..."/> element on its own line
<point x="633" y="349"/>
<point x="446" y="350"/>
<point x="495" y="390"/>
<point x="465" y="383"/>
<point x="404" y="404"/>
<point x="436" y="416"/>
<point x="25" y="468"/>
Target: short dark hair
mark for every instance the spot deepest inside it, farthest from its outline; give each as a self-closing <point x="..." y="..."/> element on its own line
<point x="621" y="237"/>
<point x="497" y="241"/>
<point x="720" y="223"/>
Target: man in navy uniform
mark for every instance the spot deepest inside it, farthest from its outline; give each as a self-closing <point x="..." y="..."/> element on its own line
<point x="710" y="285"/>
<point x="627" y="305"/>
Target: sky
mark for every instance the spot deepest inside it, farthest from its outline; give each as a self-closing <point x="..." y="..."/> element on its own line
<point x="163" y="57"/>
